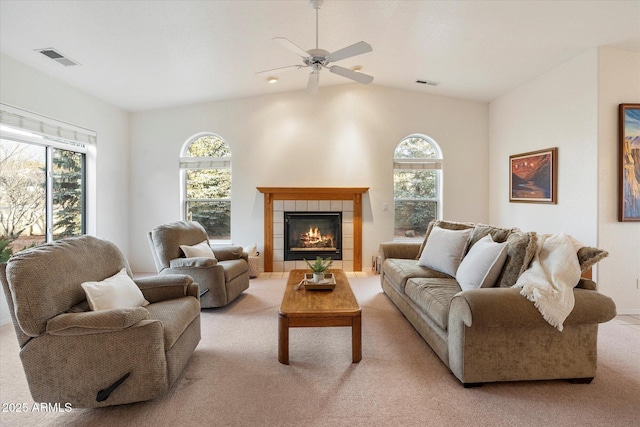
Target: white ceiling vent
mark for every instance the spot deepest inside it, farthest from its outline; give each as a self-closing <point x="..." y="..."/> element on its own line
<point x="58" y="57"/>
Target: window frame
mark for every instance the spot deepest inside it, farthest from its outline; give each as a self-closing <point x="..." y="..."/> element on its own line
<point x="433" y="163"/>
<point x="203" y="163"/>
<point x="50" y="144"/>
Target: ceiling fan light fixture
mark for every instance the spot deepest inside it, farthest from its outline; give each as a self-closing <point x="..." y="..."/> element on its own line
<point x="272" y="79"/>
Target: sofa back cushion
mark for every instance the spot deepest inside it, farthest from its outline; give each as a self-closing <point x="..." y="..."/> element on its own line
<point x="498" y="235"/>
<point x="47" y="280"/>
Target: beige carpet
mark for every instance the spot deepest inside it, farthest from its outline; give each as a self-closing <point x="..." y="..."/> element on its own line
<point x="234" y="378"/>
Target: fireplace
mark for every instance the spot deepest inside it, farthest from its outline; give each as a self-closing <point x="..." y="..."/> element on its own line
<point x="308" y="235"/>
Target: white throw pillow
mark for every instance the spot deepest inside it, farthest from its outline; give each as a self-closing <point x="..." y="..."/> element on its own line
<point x="117" y="291"/>
<point x="482" y="265"/>
<point x="444" y="249"/>
<point x="201" y="250"/>
<point x="252" y="250"/>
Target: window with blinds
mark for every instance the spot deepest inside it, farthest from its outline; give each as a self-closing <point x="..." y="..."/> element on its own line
<point x="205" y="166"/>
<point x="42" y="179"/>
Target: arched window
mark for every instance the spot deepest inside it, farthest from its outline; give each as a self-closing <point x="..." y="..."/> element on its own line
<point x="417" y="182"/>
<point x="205" y="165"/>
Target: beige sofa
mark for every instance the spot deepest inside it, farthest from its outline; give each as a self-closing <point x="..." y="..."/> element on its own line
<point x="76" y="356"/>
<point x="495" y="334"/>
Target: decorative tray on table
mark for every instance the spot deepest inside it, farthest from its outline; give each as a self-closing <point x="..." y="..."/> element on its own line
<point x="327" y="284"/>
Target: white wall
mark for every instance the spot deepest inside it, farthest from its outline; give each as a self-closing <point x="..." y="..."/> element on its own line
<point x="557" y="109"/>
<point x="573" y="107"/>
<point x="26" y="88"/>
<point x="343" y="136"/>
<point x="618" y="83"/>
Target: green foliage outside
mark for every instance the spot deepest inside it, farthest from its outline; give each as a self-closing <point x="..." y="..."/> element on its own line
<point x="209" y="190"/>
<point x="5" y="250"/>
<point x="23" y="195"/>
<point x="67" y="193"/>
<point x="415" y="191"/>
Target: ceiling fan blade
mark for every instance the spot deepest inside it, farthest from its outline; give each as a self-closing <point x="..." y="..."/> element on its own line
<point x="281" y="69"/>
<point x="350" y="74"/>
<point x="349" y="51"/>
<point x="288" y="44"/>
<point x="312" y="86"/>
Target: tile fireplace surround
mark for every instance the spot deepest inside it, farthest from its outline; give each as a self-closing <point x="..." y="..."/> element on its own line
<point x="277" y="200"/>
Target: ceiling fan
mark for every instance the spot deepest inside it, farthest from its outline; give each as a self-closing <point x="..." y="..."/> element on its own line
<point x="318" y="59"/>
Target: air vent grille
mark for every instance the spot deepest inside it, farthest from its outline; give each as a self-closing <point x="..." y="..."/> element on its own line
<point x="428" y="82"/>
<point x="58" y="57"/>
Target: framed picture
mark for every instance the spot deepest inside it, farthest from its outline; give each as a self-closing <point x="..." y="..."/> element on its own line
<point x="533" y="177"/>
<point x="629" y="149"/>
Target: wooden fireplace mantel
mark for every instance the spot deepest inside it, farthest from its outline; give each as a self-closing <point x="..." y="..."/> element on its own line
<point x="312" y="193"/>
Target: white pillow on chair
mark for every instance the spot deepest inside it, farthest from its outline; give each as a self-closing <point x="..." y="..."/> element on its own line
<point x="201" y="250"/>
<point x="117" y="291"/>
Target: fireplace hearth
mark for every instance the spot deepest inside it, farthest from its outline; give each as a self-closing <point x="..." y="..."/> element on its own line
<point x="308" y="235"/>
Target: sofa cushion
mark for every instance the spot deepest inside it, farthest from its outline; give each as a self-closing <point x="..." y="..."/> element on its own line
<point x="448" y="225"/>
<point x="175" y="315"/>
<point x="481" y="267"/>
<point x="433" y="296"/>
<point x="520" y="252"/>
<point x="445" y="249"/>
<point x="397" y="271"/>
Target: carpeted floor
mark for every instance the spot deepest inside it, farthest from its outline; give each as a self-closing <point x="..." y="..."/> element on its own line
<point x="234" y="378"/>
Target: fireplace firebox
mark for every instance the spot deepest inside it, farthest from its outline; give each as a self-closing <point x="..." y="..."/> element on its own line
<point x="308" y="235"/>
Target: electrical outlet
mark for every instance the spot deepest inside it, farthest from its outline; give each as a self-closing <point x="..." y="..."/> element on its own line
<point x="638" y="283"/>
<point x="385" y="207"/>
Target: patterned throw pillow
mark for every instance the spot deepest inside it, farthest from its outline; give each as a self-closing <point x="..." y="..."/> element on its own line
<point x="589" y="256"/>
<point x="521" y="249"/>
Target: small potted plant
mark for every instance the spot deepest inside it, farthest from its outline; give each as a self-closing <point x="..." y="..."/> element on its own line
<point x="319" y="267"/>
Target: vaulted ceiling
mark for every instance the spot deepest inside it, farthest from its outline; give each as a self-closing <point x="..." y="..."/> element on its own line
<point x="141" y="55"/>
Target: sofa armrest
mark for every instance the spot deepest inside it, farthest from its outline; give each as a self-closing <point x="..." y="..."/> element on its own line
<point x="199" y="262"/>
<point x="405" y="250"/>
<point x="504" y="307"/>
<point x="229" y="252"/>
<point x="96" y="322"/>
<point x="164" y="287"/>
<point x="587" y="284"/>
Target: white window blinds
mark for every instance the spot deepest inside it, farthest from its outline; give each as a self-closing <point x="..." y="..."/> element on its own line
<point x="13" y="118"/>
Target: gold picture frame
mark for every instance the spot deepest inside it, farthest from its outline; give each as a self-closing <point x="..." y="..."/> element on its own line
<point x="629" y="165"/>
<point x="533" y="177"/>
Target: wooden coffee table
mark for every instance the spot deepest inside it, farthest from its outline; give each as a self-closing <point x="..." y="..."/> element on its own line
<point x="304" y="308"/>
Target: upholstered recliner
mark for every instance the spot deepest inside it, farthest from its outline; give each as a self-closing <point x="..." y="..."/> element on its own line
<point x="221" y="279"/>
<point x="73" y="355"/>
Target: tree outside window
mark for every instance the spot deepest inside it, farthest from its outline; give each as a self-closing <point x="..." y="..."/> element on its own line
<point x="207" y="170"/>
<point x="416" y="186"/>
<point x="28" y="215"/>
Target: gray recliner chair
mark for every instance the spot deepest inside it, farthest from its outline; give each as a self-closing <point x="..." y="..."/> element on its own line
<point x="221" y="279"/>
<point x="73" y="355"/>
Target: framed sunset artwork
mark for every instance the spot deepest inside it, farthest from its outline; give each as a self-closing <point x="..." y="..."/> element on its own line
<point x="629" y="169"/>
<point x="533" y="177"/>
